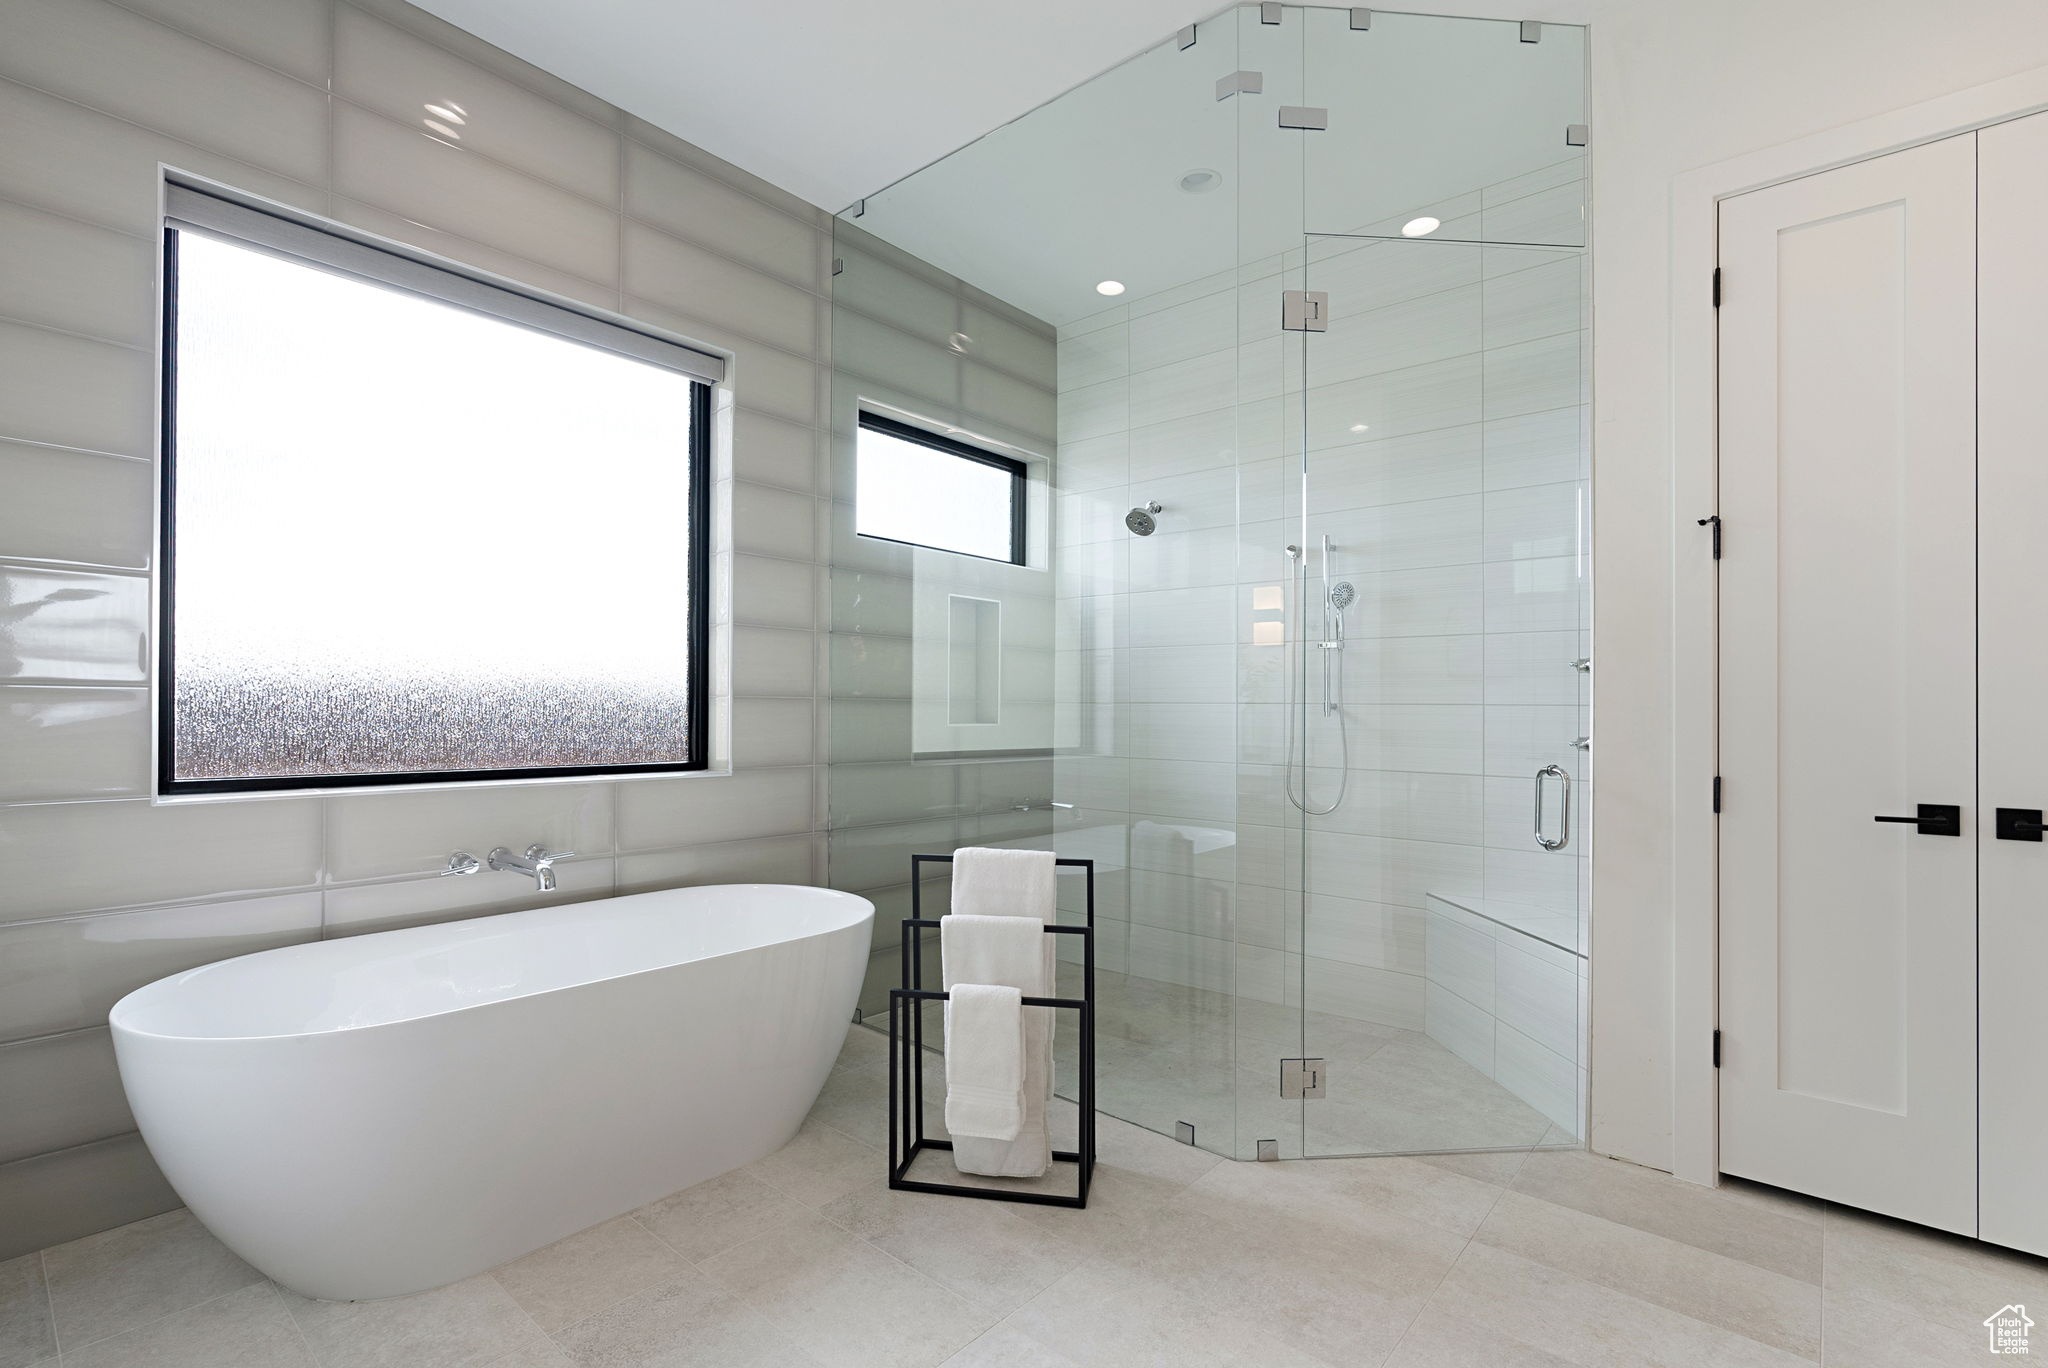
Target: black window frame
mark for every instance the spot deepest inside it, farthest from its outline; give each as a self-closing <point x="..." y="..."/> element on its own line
<point x="381" y="264"/>
<point x="952" y="446"/>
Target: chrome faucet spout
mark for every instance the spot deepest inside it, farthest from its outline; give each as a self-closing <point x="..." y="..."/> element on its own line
<point x="537" y="863"/>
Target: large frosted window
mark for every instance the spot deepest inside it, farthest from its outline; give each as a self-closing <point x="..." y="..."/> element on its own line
<point x="411" y="540"/>
<point x="918" y="487"/>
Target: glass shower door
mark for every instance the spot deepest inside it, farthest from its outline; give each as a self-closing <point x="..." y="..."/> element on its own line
<point x="1438" y="614"/>
<point x="1439" y="692"/>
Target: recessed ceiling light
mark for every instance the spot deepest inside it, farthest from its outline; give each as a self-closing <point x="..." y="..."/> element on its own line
<point x="1109" y="287"/>
<point x="1201" y="180"/>
<point x="1361" y="427"/>
<point x="1420" y="227"/>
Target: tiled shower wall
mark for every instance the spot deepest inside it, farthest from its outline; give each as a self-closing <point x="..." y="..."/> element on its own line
<point x="318" y="103"/>
<point x="1447" y="438"/>
<point x="935" y="350"/>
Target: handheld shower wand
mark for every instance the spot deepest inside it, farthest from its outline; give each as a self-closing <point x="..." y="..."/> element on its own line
<point x="1336" y="598"/>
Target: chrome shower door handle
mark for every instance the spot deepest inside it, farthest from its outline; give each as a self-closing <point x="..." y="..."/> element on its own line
<point x="1564" y="817"/>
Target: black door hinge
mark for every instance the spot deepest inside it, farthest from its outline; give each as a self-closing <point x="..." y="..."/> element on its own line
<point x="1717" y="287"/>
<point x="1717" y="793"/>
<point x="1715" y="523"/>
<point x="1717" y="1047"/>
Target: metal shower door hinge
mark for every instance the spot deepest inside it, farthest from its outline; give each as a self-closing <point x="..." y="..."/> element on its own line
<point x="1361" y="20"/>
<point x="1575" y="135"/>
<point x="1532" y="30"/>
<point x="1269" y="13"/>
<point x="1184" y="1131"/>
<point x="1269" y="1151"/>
<point x="1240" y="83"/>
<point x="1312" y="117"/>
<point x="838" y="265"/>
<point x="1304" y="311"/>
<point x="1301" y="1079"/>
<point x="1186" y="37"/>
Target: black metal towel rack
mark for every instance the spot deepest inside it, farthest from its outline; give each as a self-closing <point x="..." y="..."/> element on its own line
<point x="906" y="1055"/>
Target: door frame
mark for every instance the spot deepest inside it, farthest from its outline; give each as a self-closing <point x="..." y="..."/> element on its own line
<point x="1695" y="645"/>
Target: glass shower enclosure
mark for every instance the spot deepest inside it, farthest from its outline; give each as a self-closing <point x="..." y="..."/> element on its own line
<point x="1313" y="282"/>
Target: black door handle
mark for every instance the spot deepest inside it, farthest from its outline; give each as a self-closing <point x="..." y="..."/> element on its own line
<point x="1935" y="819"/>
<point x="2019" y="824"/>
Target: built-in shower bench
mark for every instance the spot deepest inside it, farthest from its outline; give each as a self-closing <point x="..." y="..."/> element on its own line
<point x="1505" y="992"/>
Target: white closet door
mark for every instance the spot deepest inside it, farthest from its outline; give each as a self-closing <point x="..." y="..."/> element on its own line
<point x="2013" y="679"/>
<point x="1848" y="946"/>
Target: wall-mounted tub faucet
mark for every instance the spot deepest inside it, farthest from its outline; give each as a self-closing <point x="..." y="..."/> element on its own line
<point x="535" y="862"/>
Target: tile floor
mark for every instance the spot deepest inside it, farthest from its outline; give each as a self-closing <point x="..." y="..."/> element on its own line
<point x="1182" y="1259"/>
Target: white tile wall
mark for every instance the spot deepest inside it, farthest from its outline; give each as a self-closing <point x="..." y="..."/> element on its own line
<point x="73" y="743"/>
<point x="67" y="859"/>
<point x="394" y="904"/>
<point x="1535" y="448"/>
<point x="71" y="159"/>
<point x="108" y="58"/>
<point x="65" y="973"/>
<point x="385" y="68"/>
<point x="65" y="274"/>
<point x="75" y="391"/>
<point x="318" y="103"/>
<point x="75" y="1088"/>
<point x="62" y="506"/>
<point x="290" y="35"/>
<point x="377" y="835"/>
<point x="1508" y="1003"/>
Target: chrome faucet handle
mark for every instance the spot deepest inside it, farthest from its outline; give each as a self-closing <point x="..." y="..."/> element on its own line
<point x="460" y="863"/>
<point x="538" y="853"/>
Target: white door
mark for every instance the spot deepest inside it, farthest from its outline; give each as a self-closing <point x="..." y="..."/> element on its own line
<point x="1847" y="447"/>
<point x="2013" y="677"/>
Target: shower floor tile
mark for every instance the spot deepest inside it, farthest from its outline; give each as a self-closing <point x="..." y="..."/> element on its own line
<point x="1552" y="1259"/>
<point x="1167" y="1054"/>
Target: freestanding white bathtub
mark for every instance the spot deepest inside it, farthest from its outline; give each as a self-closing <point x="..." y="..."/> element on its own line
<point x="384" y="1114"/>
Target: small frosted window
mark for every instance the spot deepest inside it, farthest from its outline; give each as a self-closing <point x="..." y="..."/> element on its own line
<point x="413" y="541"/>
<point x="918" y="487"/>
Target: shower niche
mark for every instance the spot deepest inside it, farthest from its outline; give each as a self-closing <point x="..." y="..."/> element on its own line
<point x="1288" y="320"/>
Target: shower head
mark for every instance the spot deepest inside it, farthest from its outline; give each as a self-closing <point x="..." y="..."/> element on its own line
<point x="1342" y="595"/>
<point x="1141" y="521"/>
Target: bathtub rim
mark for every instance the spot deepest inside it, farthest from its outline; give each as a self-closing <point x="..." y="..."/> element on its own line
<point x="169" y="982"/>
